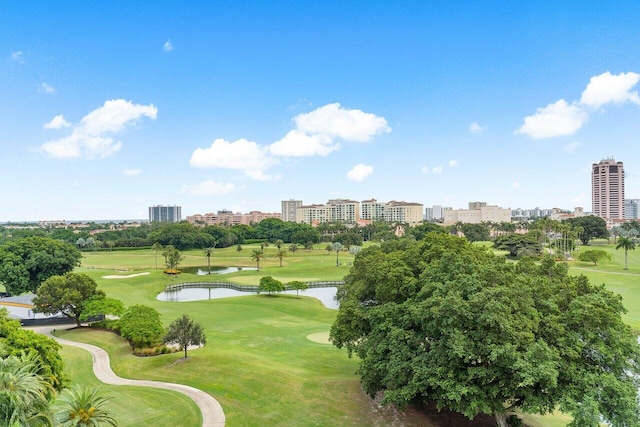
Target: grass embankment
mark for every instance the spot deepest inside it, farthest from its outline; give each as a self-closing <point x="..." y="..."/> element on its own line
<point x="258" y="362"/>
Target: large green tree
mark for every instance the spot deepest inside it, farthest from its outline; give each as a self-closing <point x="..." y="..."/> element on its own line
<point x="26" y="263"/>
<point x="448" y="322"/>
<point x="67" y="294"/>
<point x="185" y="332"/>
<point x="593" y="227"/>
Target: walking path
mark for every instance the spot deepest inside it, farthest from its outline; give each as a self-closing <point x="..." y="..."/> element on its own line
<point x="212" y="413"/>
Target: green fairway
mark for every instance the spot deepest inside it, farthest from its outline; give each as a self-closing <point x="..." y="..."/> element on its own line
<point x="132" y="406"/>
<point x="258" y="361"/>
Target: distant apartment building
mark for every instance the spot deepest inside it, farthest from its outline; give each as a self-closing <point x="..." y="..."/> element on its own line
<point x="351" y="212"/>
<point x="343" y="210"/>
<point x="607" y="189"/>
<point x="405" y="212"/>
<point x="225" y="217"/>
<point x="631" y="209"/>
<point x="160" y="213"/>
<point x="311" y="214"/>
<point x="435" y="213"/>
<point x="478" y="212"/>
<point x="372" y="210"/>
<point x="530" y="213"/>
<point x="289" y="209"/>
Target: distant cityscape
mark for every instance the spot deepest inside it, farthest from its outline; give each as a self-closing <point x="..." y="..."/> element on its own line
<point x="608" y="202"/>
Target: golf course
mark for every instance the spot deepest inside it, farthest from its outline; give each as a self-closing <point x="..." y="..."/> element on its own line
<point x="267" y="359"/>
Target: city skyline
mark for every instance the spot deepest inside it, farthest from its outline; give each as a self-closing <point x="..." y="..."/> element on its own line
<point x="108" y="109"/>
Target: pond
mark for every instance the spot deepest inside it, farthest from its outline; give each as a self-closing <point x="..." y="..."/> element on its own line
<point x="203" y="271"/>
<point x="327" y="296"/>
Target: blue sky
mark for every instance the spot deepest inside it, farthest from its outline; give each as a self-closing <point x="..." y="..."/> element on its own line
<point x="107" y="108"/>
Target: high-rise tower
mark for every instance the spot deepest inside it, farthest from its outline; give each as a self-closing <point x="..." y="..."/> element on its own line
<point x="607" y="189"/>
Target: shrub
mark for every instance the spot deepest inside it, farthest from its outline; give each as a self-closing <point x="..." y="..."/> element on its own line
<point x="141" y="326"/>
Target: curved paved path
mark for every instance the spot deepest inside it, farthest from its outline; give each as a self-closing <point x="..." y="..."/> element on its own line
<point x="212" y="413"/>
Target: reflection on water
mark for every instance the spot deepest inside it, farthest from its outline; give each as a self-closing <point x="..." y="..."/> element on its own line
<point x="214" y="270"/>
<point x="326" y="295"/>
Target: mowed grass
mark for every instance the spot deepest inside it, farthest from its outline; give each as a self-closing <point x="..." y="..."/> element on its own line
<point x="258" y="362"/>
<point x="612" y="274"/>
<point x="131" y="406"/>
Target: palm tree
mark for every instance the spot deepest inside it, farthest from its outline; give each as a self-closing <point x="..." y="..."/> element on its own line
<point x="337" y="246"/>
<point x="23" y="392"/>
<point x="281" y="254"/>
<point x="293" y="248"/>
<point x="329" y="249"/>
<point x="627" y="244"/>
<point x="279" y="243"/>
<point x="257" y="255"/>
<point x="156" y="247"/>
<point x="83" y="406"/>
<point x="208" y="252"/>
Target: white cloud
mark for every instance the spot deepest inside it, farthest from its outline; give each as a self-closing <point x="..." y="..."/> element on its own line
<point x="58" y="122"/>
<point x="208" y="188"/>
<point x="437" y="170"/>
<point x="115" y="115"/>
<point x="18" y="57"/>
<point x="555" y="119"/>
<point x="88" y="137"/>
<point x="476" y="128"/>
<point x="453" y="163"/>
<point x="298" y="144"/>
<point x="241" y="154"/>
<point x="425" y="170"/>
<point x="132" y="172"/>
<point x="315" y="135"/>
<point x="608" y="88"/>
<point x="515" y="184"/>
<point x="336" y="121"/>
<point x="167" y="46"/>
<point x="359" y="172"/>
<point x="45" y="88"/>
<point x="570" y="148"/>
<point x="562" y="118"/>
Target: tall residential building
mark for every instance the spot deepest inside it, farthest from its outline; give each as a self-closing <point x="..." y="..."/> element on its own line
<point x="631" y="209"/>
<point x="289" y="209"/>
<point x="160" y="213"/>
<point x="607" y="189"/>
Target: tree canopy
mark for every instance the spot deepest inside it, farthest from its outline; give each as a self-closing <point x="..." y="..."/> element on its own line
<point x="66" y="294"/>
<point x="270" y="285"/>
<point x="593" y="227"/>
<point x="28" y="262"/>
<point x="185" y="332"/>
<point x="14" y="341"/>
<point x="449" y="322"/>
<point x="593" y="255"/>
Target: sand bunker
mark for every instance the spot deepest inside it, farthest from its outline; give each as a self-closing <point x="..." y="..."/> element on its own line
<point x="118" y="276"/>
<point x="319" y="337"/>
